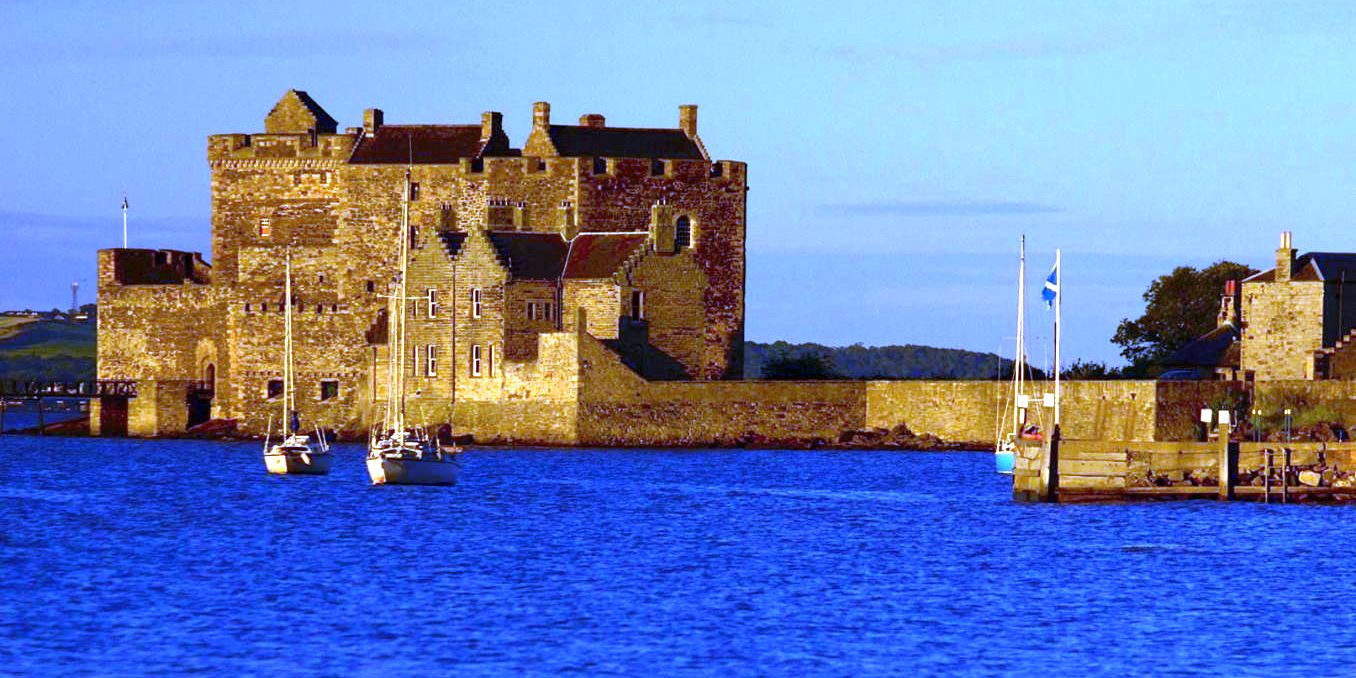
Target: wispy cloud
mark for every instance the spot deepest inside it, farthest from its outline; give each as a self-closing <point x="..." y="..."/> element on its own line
<point x="943" y="208"/>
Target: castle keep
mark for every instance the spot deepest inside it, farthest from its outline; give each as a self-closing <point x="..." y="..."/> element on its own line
<point x="624" y="241"/>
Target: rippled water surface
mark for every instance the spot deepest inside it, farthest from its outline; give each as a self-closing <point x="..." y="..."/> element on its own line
<point x="130" y="557"/>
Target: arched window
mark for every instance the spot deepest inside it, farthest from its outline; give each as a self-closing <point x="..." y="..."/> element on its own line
<point x="682" y="233"/>
<point x="209" y="376"/>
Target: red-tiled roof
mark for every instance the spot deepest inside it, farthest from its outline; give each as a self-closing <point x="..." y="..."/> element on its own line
<point x="599" y="255"/>
<point x="425" y="145"/>
<point x="624" y="142"/>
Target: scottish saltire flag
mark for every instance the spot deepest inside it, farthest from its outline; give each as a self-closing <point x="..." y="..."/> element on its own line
<point x="1051" y="287"/>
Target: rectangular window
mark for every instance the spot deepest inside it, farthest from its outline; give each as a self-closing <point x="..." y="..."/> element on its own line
<point x="550" y="311"/>
<point x="657" y="167"/>
<point x="414" y="191"/>
<point x="475" y="360"/>
<point x="637" y="305"/>
<point x="265" y="227"/>
<point x="531" y="310"/>
<point x="432" y="303"/>
<point x="432" y="353"/>
<point x="600" y="165"/>
<point x="329" y="389"/>
<point x="476" y="307"/>
<point x="275" y="388"/>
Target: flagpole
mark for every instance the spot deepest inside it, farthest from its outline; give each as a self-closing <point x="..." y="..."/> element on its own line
<point x="1059" y="302"/>
<point x="124" y="221"/>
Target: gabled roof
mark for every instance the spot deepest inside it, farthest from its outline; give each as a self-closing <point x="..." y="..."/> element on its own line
<point x="299" y="99"/>
<point x="531" y="256"/>
<point x="624" y="142"/>
<point x="1217" y="348"/>
<point x="599" y="255"/>
<point x="1316" y="267"/>
<point x="425" y="145"/>
<point x="548" y="256"/>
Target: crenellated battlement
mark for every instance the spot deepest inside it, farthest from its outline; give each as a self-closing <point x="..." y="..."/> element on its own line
<point x="127" y="266"/>
<point x="308" y="146"/>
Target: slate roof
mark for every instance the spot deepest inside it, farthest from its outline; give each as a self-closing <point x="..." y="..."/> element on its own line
<point x="425" y="145"/>
<point x="1317" y="266"/>
<point x="548" y="256"/>
<point x="1217" y="348"/>
<point x="624" y="142"/>
<point x="532" y="256"/>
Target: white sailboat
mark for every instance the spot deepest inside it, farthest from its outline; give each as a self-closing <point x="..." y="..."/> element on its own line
<point x="396" y="453"/>
<point x="1005" y="447"/>
<point x="295" y="454"/>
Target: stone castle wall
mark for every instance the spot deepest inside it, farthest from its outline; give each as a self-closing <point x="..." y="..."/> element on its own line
<point x="1283" y="328"/>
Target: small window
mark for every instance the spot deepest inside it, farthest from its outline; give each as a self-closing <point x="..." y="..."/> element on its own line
<point x="414" y="191"/>
<point x="717" y="169"/>
<point x="682" y="233"/>
<point x="334" y="308"/>
<point x="600" y="165"/>
<point x="476" y="306"/>
<point x="322" y="278"/>
<point x="275" y="388"/>
<point x="329" y="389"/>
<point x="432" y="303"/>
<point x="477" y="165"/>
<point x="320" y="309"/>
<point x="265" y="227"/>
<point x="371" y="286"/>
<point x="475" y="360"/>
<point x="263" y="308"/>
<point x="432" y="354"/>
<point x="531" y="310"/>
<point x="550" y="310"/>
<point x="247" y="307"/>
<point x="637" y="305"/>
<point x="657" y="167"/>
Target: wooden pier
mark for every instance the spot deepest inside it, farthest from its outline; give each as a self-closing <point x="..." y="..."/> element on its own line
<point x="1068" y="471"/>
<point x="38" y="391"/>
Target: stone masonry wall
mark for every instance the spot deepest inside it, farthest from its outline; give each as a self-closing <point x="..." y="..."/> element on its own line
<point x="1284" y="327"/>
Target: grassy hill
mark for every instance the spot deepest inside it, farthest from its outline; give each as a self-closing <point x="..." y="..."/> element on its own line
<point x="881" y="362"/>
<point x="46" y="349"/>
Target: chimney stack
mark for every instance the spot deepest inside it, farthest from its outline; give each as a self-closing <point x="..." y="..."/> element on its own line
<point x="541" y="115"/>
<point x="687" y="119"/>
<point x="491" y="123"/>
<point x="1285" y="259"/>
<point x="1228" y="305"/>
<point x="373" y="119"/>
<point x="592" y="120"/>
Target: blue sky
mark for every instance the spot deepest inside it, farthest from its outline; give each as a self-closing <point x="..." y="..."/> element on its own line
<point x="896" y="150"/>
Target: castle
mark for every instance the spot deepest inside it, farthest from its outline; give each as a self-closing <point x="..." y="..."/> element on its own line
<point x="631" y="237"/>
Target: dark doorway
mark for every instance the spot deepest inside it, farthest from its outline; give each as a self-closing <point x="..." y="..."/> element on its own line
<point x="113" y="416"/>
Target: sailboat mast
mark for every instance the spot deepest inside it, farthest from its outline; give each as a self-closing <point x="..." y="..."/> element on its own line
<point x="287" y="346"/>
<point x="1018" y="362"/>
<point x="400" y="296"/>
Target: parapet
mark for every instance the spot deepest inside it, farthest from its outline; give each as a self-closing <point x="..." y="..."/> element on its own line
<point x="124" y="266"/>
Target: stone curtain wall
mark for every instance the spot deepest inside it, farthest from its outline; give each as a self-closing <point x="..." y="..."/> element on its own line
<point x="1284" y="328"/>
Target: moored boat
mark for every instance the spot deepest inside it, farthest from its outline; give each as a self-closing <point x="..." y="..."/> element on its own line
<point x="295" y="454"/>
<point x="397" y="454"/>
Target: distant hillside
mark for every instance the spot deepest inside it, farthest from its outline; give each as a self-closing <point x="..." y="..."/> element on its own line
<point x="882" y="362"/>
<point x="46" y="349"/>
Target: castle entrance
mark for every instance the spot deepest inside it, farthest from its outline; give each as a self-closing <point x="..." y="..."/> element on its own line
<point x="200" y="397"/>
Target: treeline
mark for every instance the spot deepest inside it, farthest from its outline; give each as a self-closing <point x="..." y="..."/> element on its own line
<point x="782" y="360"/>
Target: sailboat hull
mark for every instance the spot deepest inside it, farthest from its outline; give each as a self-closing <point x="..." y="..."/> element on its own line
<point x="411" y="472"/>
<point x="303" y="464"/>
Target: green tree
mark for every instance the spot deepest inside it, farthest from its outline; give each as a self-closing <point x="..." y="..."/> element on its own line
<point x="804" y="366"/>
<point x="1178" y="307"/>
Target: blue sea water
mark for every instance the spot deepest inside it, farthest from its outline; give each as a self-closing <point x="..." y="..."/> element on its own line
<point x="125" y="557"/>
